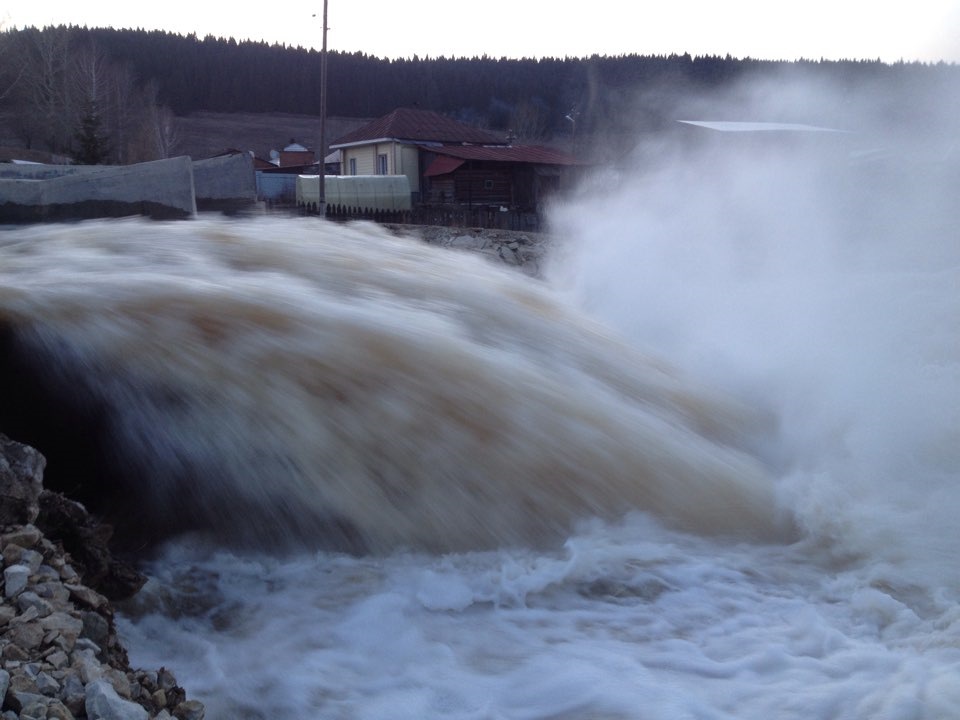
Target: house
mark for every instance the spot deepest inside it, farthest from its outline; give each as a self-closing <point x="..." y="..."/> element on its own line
<point x="277" y="178"/>
<point x="293" y="155"/>
<point x="450" y="163"/>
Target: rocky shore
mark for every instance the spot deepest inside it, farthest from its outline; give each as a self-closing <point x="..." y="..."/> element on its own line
<point x="60" y="657"/>
<point x="525" y="251"/>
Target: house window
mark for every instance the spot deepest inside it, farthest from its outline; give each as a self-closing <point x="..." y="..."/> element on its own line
<point x="353" y="166"/>
<point x="382" y="164"/>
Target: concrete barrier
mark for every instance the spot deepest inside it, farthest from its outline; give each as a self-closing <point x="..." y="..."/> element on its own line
<point x="173" y="188"/>
<point x="158" y="189"/>
<point x="226" y="183"/>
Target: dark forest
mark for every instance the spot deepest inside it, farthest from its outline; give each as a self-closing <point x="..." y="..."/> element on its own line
<point x="111" y="93"/>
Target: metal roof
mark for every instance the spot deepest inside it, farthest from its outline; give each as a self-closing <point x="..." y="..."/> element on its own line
<point x="416" y="125"/>
<point x="735" y="126"/>
<point x="443" y="164"/>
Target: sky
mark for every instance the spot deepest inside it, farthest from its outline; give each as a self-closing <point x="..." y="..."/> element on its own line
<point x="924" y="30"/>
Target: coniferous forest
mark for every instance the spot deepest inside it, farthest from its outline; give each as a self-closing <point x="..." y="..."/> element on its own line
<point x="113" y="95"/>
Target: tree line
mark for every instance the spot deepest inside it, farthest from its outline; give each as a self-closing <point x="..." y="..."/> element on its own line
<point x="106" y="94"/>
<point x="63" y="91"/>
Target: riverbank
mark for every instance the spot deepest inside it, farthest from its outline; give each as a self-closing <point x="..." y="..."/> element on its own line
<point x="60" y="653"/>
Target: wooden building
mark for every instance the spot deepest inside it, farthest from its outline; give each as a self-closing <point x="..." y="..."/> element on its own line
<point x="450" y="163"/>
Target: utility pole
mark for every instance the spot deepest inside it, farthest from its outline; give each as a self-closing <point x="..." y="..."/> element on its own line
<point x="321" y="165"/>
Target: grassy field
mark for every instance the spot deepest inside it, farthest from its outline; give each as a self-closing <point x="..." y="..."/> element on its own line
<point x="206" y="134"/>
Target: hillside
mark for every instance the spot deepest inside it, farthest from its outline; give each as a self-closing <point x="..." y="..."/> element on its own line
<point x="204" y="134"/>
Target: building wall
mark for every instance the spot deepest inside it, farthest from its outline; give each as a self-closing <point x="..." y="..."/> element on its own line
<point x="400" y="160"/>
<point x="484" y="184"/>
<point x="410" y="166"/>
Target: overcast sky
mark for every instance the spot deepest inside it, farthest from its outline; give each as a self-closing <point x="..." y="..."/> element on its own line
<point x="926" y="30"/>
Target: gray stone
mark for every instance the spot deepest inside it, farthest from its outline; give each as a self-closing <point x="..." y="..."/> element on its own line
<point x="19" y="699"/>
<point x="28" y="636"/>
<point x="47" y="685"/>
<point x="27" y="536"/>
<point x="103" y="703"/>
<point x="189" y="710"/>
<point x="55" y="592"/>
<point x="46" y="574"/>
<point x="28" y="615"/>
<point x="7" y="614"/>
<point x="21" y="482"/>
<point x="36" y="710"/>
<point x="73" y="693"/>
<point x="64" y="624"/>
<point x="86" y="663"/>
<point x="87" y="645"/>
<point x="120" y="682"/>
<point x="15" y="579"/>
<point x="4" y="684"/>
<point x="56" y="710"/>
<point x="29" y="599"/>
<point x="32" y="559"/>
<point x="68" y="574"/>
<point x="95" y="627"/>
<point x="13" y="653"/>
<point x="166" y="680"/>
<point x="86" y="595"/>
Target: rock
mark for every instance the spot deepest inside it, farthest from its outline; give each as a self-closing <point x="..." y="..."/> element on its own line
<point x="21" y="482"/>
<point x="59" y="649"/>
<point x="47" y="685"/>
<point x="85" y="595"/>
<point x="28" y="636"/>
<point x="90" y="668"/>
<point x="64" y="625"/>
<point x="58" y="711"/>
<point x="189" y="710"/>
<point x="13" y="653"/>
<point x="15" y="580"/>
<point x="103" y="703"/>
<point x="19" y="700"/>
<point x="58" y="659"/>
<point x="27" y="536"/>
<point x="73" y="694"/>
<point x="87" y="541"/>
<point x="95" y="628"/>
<point x="30" y="599"/>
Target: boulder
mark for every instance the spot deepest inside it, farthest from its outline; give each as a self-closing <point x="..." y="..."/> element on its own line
<point x="21" y="482"/>
<point x="103" y="703"/>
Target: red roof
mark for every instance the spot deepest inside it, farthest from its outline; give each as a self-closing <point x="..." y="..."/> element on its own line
<point x="534" y="154"/>
<point x="420" y="126"/>
<point x="442" y="164"/>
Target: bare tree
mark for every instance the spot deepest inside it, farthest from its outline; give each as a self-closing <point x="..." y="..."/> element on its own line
<point x="45" y="103"/>
<point x="161" y="123"/>
<point x="12" y="65"/>
<point x="154" y="134"/>
<point x="528" y="120"/>
<point x="90" y="81"/>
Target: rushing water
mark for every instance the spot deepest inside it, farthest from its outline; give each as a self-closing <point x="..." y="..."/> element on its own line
<point x="709" y="469"/>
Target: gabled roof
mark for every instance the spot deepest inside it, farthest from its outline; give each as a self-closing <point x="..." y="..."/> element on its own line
<point x="416" y="125"/>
